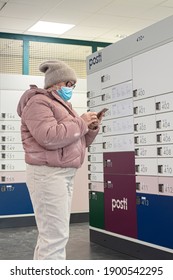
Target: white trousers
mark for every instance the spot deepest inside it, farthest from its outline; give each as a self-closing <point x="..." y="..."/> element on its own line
<point x="51" y="190"/>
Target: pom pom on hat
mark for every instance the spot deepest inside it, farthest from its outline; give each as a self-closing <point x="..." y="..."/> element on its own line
<point x="57" y="71"/>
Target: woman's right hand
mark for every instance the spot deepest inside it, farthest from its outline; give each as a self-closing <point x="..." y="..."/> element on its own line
<point x="90" y="117"/>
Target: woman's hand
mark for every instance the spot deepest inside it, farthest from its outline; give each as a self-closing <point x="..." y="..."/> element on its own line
<point x="90" y="117"/>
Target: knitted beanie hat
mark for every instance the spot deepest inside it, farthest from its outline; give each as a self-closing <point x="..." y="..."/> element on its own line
<point x="57" y="71"/>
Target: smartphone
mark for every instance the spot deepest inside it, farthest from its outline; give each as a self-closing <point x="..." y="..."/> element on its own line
<point x="102" y="111"/>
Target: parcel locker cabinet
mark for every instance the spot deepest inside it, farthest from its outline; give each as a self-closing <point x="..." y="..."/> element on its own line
<point x="14" y="200"/>
<point x="120" y="204"/>
<point x="119" y="162"/>
<point x="154" y="219"/>
<point x="96" y="209"/>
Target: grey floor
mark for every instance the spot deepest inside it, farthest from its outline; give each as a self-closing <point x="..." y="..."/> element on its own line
<point x="19" y="243"/>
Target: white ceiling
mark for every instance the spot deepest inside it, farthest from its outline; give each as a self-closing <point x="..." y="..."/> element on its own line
<point x="94" y="20"/>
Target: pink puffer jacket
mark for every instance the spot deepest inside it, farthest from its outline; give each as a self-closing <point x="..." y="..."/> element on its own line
<point x="52" y="132"/>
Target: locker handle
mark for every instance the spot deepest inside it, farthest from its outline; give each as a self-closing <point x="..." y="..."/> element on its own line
<point x="136" y="139"/>
<point x="89" y="158"/>
<point x="88" y="103"/>
<point x="136" y="127"/>
<point x="104" y="145"/>
<point x="136" y="152"/>
<point x="158" y="107"/>
<point x="3" y="166"/>
<point x="159" y="151"/>
<point x="158" y="124"/>
<point x="161" y="188"/>
<point x="3" y="178"/>
<point x="102" y="78"/>
<point x="137" y="168"/>
<point x="104" y="128"/>
<point x="135" y="92"/>
<point x="159" y="137"/>
<point x="107" y="163"/>
<point x="160" y="168"/>
<point x="3" y="115"/>
<point x="138" y="186"/>
<point x="88" y="94"/>
<point x="135" y="110"/>
<point x="3" y="127"/>
<point x="103" y="97"/>
<point x="89" y="167"/>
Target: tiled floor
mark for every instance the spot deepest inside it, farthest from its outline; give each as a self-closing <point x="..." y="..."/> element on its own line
<point x="19" y="243"/>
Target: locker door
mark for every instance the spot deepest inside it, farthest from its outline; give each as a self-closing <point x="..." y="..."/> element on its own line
<point x="120" y="204"/>
<point x="96" y="209"/>
<point x="154" y="218"/>
<point x="14" y="199"/>
<point x="149" y="70"/>
<point x="119" y="163"/>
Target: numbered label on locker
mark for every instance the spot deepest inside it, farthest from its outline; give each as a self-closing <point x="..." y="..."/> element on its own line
<point x="146" y="166"/>
<point x="165" y="167"/>
<point x="12" y="177"/>
<point x="118" y="126"/>
<point x="147" y="184"/>
<point x="95" y="158"/>
<point x="118" y="143"/>
<point x="145" y="124"/>
<point x="97" y="177"/>
<point x="145" y="139"/>
<point x="165" y="137"/>
<point x="12" y="155"/>
<point x="11" y="147"/>
<point x="95" y="167"/>
<point x="165" y="151"/>
<point x="9" y="116"/>
<point x="164" y="121"/>
<point x="95" y="148"/>
<point x="10" y="137"/>
<point x="165" y="186"/>
<point x="164" y="103"/>
<point x="96" y="186"/>
<point x="15" y="165"/>
<point x="144" y="107"/>
<point x="146" y="151"/>
<point x="11" y="126"/>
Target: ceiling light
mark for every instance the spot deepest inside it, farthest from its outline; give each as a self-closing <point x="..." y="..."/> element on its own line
<point x="50" y="27"/>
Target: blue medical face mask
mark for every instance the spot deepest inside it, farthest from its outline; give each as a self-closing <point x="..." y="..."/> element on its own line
<point x="65" y="93"/>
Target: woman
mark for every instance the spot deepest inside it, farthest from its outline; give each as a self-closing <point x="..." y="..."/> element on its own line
<point x="54" y="138"/>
